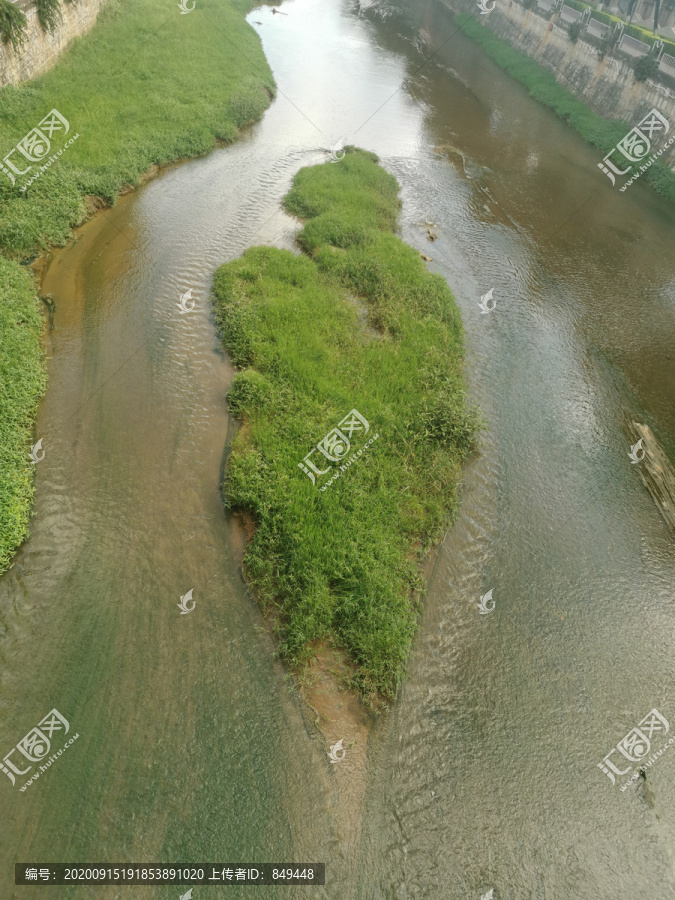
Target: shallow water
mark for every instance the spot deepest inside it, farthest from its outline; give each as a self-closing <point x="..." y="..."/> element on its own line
<point x="191" y="746"/>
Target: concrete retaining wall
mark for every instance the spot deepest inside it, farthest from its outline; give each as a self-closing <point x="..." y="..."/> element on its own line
<point x="608" y="84"/>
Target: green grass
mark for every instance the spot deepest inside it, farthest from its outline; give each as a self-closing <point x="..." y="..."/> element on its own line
<point x="355" y="323"/>
<point x="541" y="84"/>
<point x="22" y="382"/>
<point x="146" y="86"/>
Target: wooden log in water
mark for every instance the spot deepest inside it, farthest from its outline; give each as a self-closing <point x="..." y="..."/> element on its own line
<point x="657" y="473"/>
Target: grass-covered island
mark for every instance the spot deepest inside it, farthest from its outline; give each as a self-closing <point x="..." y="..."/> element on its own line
<point x="356" y="323"/>
<point x="146" y="86"/>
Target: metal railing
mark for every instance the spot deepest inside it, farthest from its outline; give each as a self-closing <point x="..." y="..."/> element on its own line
<point x="598" y="29"/>
<point x="632" y="46"/>
<point x="667" y="64"/>
<point x="569" y="14"/>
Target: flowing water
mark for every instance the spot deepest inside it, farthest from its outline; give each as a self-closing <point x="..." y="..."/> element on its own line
<point x="191" y="746"/>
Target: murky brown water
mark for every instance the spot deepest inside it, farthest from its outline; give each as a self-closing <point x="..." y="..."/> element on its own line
<point x="191" y="746"/>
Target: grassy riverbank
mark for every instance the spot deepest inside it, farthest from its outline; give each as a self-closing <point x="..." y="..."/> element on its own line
<point x="356" y="323"/>
<point x="22" y="380"/>
<point x="542" y="85"/>
<point x="146" y="86"/>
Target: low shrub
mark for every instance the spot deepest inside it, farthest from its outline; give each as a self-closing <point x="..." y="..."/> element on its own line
<point x="645" y="67"/>
<point x="574" y="31"/>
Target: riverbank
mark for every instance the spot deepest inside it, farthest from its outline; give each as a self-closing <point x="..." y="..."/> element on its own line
<point x="144" y="88"/>
<point x="355" y="424"/>
<point x="537" y="58"/>
<point x="542" y="85"/>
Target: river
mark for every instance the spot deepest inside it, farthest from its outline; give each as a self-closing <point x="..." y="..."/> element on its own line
<point x="192" y="745"/>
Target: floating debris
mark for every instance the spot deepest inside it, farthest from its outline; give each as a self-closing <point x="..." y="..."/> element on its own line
<point x="657" y="473"/>
<point x="426" y="223"/>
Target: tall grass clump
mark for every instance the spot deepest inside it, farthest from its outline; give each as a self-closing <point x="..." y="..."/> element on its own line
<point x="541" y="84"/>
<point x="356" y="322"/>
<point x="22" y="382"/>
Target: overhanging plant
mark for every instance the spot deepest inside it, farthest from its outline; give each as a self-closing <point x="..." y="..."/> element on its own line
<point x="12" y="24"/>
<point x="49" y="14"/>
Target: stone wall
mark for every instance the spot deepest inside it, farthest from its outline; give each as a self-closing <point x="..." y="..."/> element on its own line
<point x="608" y="85"/>
<point x="41" y="48"/>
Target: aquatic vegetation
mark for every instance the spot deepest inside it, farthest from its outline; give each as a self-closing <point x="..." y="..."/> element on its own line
<point x="357" y="323"/>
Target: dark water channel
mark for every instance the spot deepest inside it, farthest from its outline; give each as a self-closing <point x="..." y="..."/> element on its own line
<point x="191" y="745"/>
